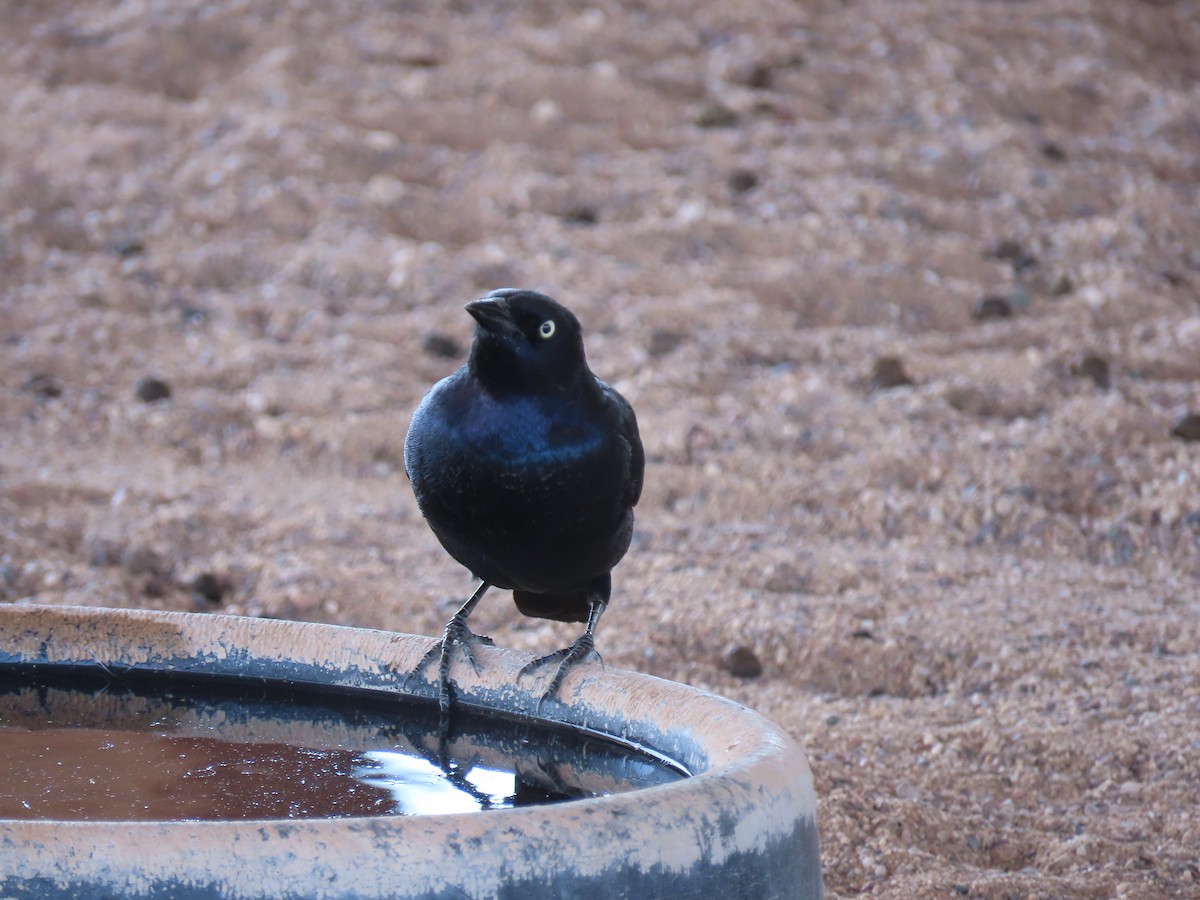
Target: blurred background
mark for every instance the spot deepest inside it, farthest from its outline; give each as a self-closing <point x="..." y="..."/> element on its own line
<point x="906" y="296"/>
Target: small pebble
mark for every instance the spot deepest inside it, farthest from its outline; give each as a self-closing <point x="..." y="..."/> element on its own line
<point x="580" y="214"/>
<point x="102" y="553"/>
<point x="993" y="306"/>
<point x="545" y="111"/>
<point x="717" y="115"/>
<point x="758" y="75"/>
<point x="156" y="586"/>
<point x="887" y="373"/>
<point x="787" y="578"/>
<point x="1019" y="299"/>
<point x="741" y="662"/>
<point x="663" y="341"/>
<point x="1062" y="285"/>
<point x="207" y="588"/>
<point x="742" y="180"/>
<point x="1014" y="253"/>
<point x="192" y="316"/>
<point x="141" y="560"/>
<point x="971" y="400"/>
<point x="150" y="389"/>
<point x="437" y="344"/>
<point x="1094" y="367"/>
<point x="1054" y="152"/>
<point x="1187" y="427"/>
<point x="43" y="386"/>
<point x="1129" y="788"/>
<point x="127" y="245"/>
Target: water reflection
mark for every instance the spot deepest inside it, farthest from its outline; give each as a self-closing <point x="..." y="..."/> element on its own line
<point x="419" y="787"/>
<point x="85" y="746"/>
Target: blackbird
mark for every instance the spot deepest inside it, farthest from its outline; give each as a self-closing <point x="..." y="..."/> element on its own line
<point x="527" y="468"/>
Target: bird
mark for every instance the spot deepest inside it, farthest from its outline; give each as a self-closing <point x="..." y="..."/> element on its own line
<point x="526" y="467"/>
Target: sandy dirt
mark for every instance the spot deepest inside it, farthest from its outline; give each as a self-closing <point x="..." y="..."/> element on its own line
<point x="971" y="580"/>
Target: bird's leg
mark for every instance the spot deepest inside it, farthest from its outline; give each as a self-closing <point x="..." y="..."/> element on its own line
<point x="456" y="632"/>
<point x="583" y="648"/>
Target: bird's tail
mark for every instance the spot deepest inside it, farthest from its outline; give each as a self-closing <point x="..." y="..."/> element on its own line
<point x="571" y="606"/>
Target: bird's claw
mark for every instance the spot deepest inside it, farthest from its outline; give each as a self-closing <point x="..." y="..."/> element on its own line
<point x="584" y="648"/>
<point x="456" y="633"/>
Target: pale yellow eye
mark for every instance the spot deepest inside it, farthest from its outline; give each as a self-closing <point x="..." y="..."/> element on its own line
<point x="546" y="329"/>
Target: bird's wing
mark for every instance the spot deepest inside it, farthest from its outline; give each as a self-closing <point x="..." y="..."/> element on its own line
<point x="627" y="426"/>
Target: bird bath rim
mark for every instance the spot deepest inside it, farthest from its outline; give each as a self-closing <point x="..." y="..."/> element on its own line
<point x="746" y="816"/>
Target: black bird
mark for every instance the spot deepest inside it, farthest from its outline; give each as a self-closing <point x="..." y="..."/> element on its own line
<point x="527" y="468"/>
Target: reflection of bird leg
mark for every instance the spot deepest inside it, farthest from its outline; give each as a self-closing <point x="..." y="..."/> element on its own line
<point x="113" y="677"/>
<point x="569" y="657"/>
<point x="456" y="773"/>
<point x="456" y="632"/>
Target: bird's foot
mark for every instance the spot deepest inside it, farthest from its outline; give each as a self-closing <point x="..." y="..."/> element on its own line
<point x="583" y="649"/>
<point x="457" y="634"/>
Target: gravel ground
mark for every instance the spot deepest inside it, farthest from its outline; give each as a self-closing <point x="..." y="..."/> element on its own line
<point x="906" y="296"/>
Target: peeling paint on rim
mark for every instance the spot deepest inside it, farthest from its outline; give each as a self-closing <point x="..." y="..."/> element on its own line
<point x="744" y="825"/>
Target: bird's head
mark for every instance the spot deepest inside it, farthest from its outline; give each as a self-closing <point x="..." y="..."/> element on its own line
<point x="525" y="341"/>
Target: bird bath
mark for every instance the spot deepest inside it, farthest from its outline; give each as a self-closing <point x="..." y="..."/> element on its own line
<point x="185" y="755"/>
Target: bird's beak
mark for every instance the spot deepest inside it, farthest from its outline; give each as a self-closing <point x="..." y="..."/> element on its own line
<point x="492" y="314"/>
